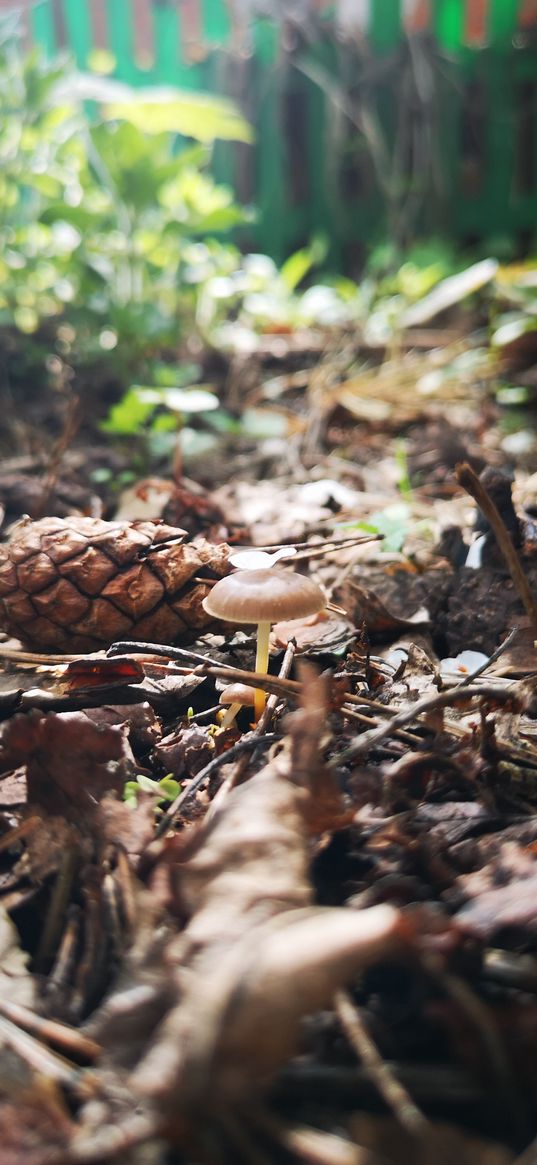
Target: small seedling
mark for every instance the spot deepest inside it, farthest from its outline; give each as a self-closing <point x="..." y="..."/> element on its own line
<point x="165" y="791"/>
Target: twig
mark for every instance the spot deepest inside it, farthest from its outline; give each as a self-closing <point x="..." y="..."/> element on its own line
<point x="492" y="659"/>
<point x="442" y="1085"/>
<point x="55" y="915"/>
<point x="132" y="647"/>
<point x="19" y="832"/>
<point x="470" y="482"/>
<point x="270" y="706"/>
<point x="112" y="1141"/>
<point x="325" y="544"/>
<point x="441" y="700"/>
<point x="316" y="1146"/>
<point x="273" y="684"/>
<point x="69" y="1038"/>
<point x="393" y="1092"/>
<point x="31" y="657"/>
<point x="411" y="738"/>
<point x="241" y="750"/>
<point x="37" y="1055"/>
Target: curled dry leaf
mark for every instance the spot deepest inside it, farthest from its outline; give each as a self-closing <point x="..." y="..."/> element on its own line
<point x="255" y="955"/>
<point x="71" y="762"/>
<point x="317" y="634"/>
<point x="278" y="957"/>
<point x="365" y="606"/>
<point x="77" y="584"/>
<point x="185" y="751"/>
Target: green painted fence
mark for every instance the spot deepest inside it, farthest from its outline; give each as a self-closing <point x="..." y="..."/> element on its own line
<point x="376" y="117"/>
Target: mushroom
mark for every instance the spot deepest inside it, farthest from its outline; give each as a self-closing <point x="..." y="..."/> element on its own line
<point x="236" y="696"/>
<point x="263" y="597"/>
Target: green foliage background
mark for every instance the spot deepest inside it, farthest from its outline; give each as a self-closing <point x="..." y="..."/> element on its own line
<point x="102" y="209"/>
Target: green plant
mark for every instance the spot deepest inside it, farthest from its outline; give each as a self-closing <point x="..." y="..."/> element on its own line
<point x="164" y="791"/>
<point x="102" y="207"/>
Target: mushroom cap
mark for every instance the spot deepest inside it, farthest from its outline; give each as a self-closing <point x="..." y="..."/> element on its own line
<point x="238" y="694"/>
<point x="263" y="596"/>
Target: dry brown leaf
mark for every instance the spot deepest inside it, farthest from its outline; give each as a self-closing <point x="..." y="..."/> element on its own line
<point x="255" y="956"/>
<point x="363" y="605"/>
<point x="70" y="761"/>
<point x="318" y="634"/>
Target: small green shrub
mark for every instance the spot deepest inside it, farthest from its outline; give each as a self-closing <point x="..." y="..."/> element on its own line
<point x="102" y="210"/>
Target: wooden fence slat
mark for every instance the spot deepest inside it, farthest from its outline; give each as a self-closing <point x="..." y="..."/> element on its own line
<point x="385" y="25"/>
<point x="26" y="26"/>
<point x="215" y="21"/>
<point x="190" y="46"/>
<point x="99" y="24"/>
<point x="416" y="15"/>
<point x="165" y="31"/>
<point x="476" y="23"/>
<point x="78" y="30"/>
<point x="502" y="21"/>
<point x="142" y="33"/>
<point x="42" y="26"/>
<point x="120" y="33"/>
<point x="60" y="31"/>
<point x="449" y="23"/>
<point x="528" y="14"/>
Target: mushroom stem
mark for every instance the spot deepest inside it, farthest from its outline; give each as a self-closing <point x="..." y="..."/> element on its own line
<point x="261" y="665"/>
<point x="229" y="715"/>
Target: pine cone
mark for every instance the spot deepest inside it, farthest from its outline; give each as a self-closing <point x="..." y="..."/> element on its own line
<point x="78" y="584"/>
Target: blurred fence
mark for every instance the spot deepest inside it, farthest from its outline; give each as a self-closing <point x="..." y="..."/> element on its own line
<point x="371" y="115"/>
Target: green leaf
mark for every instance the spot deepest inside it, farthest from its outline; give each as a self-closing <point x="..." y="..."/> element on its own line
<point x="162" y="108"/>
<point x="393" y="523"/>
<point x="192" y="115"/>
<point x="130" y="793"/>
<point x="296" y="267"/>
<point x="169" y="787"/>
<point x="129" y="415"/>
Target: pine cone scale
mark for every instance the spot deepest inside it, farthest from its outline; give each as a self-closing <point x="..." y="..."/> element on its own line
<point x="68" y="604"/>
<point x="90" y="571"/>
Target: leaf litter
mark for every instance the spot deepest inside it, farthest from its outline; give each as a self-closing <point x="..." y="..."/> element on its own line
<point x="324" y="948"/>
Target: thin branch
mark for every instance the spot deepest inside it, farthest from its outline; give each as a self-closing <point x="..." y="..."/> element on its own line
<point x="393" y="1092"/>
<point x="469" y="481"/>
<point x="441" y="700"/>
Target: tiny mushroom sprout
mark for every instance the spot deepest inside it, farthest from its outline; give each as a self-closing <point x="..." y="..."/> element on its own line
<point x="235" y="696"/>
<point x="263" y="597"/>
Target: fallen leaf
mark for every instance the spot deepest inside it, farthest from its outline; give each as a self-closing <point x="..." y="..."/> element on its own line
<point x="70" y="761"/>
